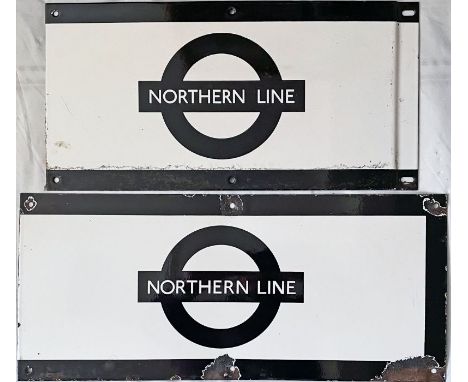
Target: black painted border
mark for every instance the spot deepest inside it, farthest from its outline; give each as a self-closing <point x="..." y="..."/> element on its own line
<point x="229" y="180"/>
<point x="191" y="369"/>
<point x="193" y="11"/>
<point x="435" y="341"/>
<point x="253" y="205"/>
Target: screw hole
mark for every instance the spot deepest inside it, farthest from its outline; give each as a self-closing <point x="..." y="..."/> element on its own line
<point x="231" y="11"/>
<point x="408" y="12"/>
<point x="407" y="179"/>
<point x="56" y="179"/>
<point x="232" y="205"/>
<point x="232" y="180"/>
<point x="434" y="370"/>
<point x="55" y="13"/>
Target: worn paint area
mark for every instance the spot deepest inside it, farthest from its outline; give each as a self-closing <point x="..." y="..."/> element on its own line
<point x="222" y="367"/>
<point x="434" y="207"/>
<point x="231" y="204"/>
<point x="418" y="369"/>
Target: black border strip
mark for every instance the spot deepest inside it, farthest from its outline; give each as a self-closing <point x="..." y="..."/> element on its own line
<point x="191" y="369"/>
<point x="222" y="11"/>
<point x="435" y="342"/>
<point x="215" y="180"/>
<point x="213" y="204"/>
<point x="253" y="205"/>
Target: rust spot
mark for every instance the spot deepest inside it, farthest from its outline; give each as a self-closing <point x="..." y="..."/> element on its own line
<point x="221" y="368"/>
<point x="418" y="369"/>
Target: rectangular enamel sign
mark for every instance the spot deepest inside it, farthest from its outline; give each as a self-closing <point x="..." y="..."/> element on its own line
<point x="236" y="96"/>
<point x="153" y="287"/>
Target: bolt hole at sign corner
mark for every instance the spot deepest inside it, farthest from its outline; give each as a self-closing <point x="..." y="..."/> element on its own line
<point x="232" y="180"/>
<point x="407" y="179"/>
<point x="231" y="11"/>
<point x="232" y="205"/>
<point x="408" y="12"/>
<point x="56" y="179"/>
<point x="55" y="13"/>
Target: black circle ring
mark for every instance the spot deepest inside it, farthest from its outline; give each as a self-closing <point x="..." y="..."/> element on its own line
<point x="180" y="127"/>
<point x="178" y="315"/>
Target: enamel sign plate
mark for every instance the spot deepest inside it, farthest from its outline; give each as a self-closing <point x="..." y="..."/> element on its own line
<point x="158" y="287"/>
<point x="237" y="96"/>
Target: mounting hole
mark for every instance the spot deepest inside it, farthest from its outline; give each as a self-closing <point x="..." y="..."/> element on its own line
<point x="408" y="12"/>
<point x="231" y="11"/>
<point x="407" y="179"/>
<point x="55" y="13"/>
<point x="28" y="370"/>
<point x="31" y="204"/>
<point x="232" y="205"/>
<point x="232" y="180"/>
<point x="434" y="370"/>
<point x="56" y="179"/>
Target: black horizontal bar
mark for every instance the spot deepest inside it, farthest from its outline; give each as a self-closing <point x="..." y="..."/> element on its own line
<point x="435" y="342"/>
<point x="255" y="286"/>
<point x="191" y="369"/>
<point x="249" y="205"/>
<point x="232" y="180"/>
<point x="253" y="96"/>
<point x="235" y="11"/>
